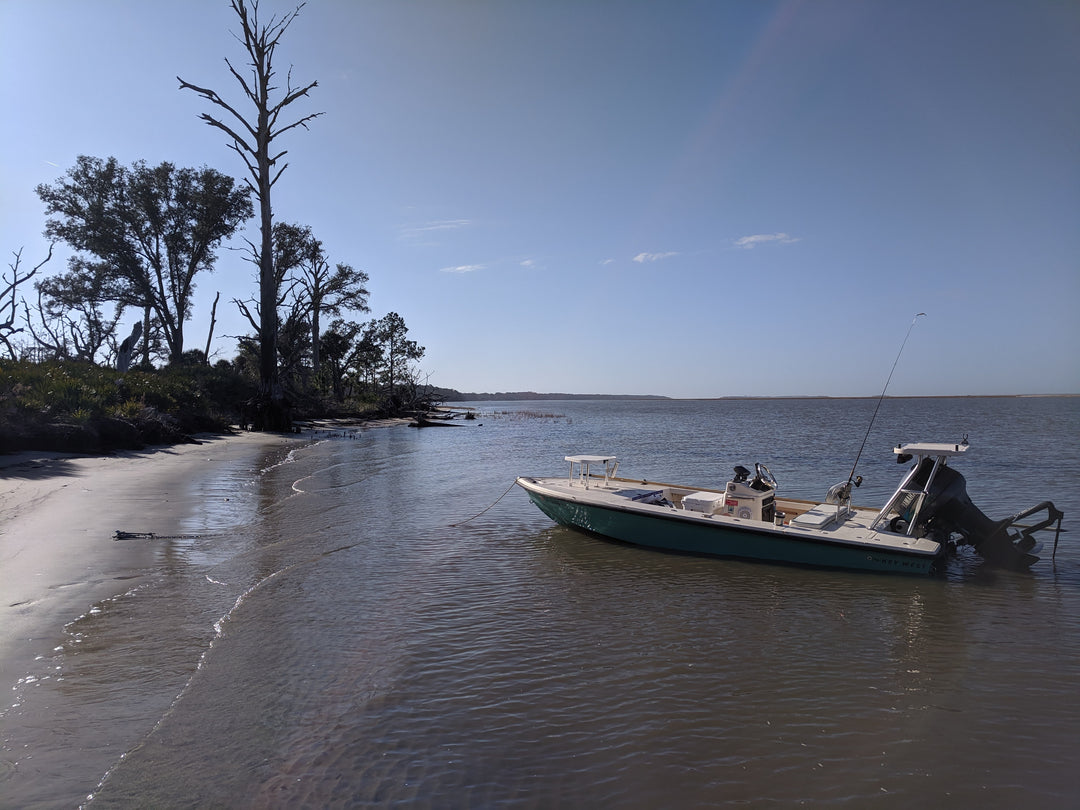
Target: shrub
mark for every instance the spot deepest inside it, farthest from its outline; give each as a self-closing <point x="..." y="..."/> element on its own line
<point x="79" y="405"/>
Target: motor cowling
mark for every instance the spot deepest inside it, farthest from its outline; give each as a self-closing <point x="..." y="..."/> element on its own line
<point x="948" y="510"/>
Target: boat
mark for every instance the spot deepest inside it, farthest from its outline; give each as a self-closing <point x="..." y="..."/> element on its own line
<point x="925" y="521"/>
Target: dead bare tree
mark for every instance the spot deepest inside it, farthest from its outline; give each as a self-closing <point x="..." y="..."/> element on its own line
<point x="9" y="289"/>
<point x="252" y="139"/>
<point x="213" y="323"/>
<point x="288" y="246"/>
<point x="73" y="318"/>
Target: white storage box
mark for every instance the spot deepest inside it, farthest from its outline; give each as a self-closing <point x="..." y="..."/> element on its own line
<point x="708" y="503"/>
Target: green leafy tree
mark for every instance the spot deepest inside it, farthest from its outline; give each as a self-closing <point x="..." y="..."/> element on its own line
<point x="316" y="287"/>
<point x="153" y="230"/>
<point x="328" y="290"/>
<point x="342" y="350"/>
<point x="391" y="334"/>
<point x="294" y="352"/>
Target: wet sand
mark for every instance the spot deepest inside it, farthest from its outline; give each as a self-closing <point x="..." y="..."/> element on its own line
<point x="59" y="515"/>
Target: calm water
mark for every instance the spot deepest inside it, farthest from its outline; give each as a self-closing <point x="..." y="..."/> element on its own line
<point x="336" y="636"/>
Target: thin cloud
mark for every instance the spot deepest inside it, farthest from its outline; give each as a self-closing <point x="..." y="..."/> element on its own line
<point x="462" y="268"/>
<point x="750" y="242"/>
<point x="529" y="263"/>
<point x="606" y="262"/>
<point x="424" y="229"/>
<point x="641" y="258"/>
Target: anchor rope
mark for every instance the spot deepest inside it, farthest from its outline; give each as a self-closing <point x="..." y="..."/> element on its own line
<point x="474" y="517"/>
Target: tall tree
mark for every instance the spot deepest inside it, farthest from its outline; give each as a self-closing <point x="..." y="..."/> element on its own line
<point x="329" y="291"/>
<point x="392" y="334"/>
<point x="317" y="287"/>
<point x="338" y="353"/>
<point x="294" y="350"/>
<point x="152" y="229"/>
<point x="252" y="139"/>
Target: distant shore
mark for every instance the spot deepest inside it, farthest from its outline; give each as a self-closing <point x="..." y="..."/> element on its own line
<point x="898" y="396"/>
<point x="532" y="396"/>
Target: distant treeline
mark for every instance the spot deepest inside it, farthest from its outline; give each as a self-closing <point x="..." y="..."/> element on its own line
<point x="450" y="395"/>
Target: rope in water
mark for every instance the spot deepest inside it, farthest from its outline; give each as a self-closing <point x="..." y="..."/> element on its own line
<point x="474" y="517"/>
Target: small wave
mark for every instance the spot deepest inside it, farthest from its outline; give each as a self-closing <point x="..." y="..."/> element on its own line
<point x="289" y="458"/>
<point x="219" y="628"/>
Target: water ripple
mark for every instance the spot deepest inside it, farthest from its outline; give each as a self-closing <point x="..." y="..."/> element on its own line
<point x="393" y="631"/>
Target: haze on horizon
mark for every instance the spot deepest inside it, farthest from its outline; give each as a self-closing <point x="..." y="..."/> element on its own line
<point x="693" y="200"/>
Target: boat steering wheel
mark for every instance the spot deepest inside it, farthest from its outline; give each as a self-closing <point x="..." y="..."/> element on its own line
<point x="764" y="474"/>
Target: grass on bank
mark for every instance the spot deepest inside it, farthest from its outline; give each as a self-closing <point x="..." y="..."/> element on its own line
<point x="82" y="407"/>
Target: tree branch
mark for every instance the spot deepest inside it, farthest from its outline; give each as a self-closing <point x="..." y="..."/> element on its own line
<point x="8" y="303"/>
<point x="214" y="98"/>
<point x="303" y="122"/>
<point x="246" y="312"/>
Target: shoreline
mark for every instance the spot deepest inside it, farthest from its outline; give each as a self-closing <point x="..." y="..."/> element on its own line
<point x="59" y="514"/>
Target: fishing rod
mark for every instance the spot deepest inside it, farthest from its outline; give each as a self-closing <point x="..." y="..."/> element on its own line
<point x="851" y="477"/>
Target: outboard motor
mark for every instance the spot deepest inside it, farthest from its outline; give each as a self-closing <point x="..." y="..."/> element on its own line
<point x="948" y="510"/>
<point x="932" y="501"/>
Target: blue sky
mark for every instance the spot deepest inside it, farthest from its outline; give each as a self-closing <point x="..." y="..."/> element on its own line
<point x="693" y="199"/>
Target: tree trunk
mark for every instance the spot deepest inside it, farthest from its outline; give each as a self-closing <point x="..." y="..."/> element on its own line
<point x="315" y="340"/>
<point x="272" y="412"/>
<point x="146" y="337"/>
<point x="210" y="334"/>
<point x="176" y="354"/>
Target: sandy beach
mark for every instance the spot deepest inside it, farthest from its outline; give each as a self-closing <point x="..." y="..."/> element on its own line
<point x="59" y="515"/>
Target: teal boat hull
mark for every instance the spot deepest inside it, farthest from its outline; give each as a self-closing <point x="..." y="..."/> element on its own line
<point x="694" y="536"/>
